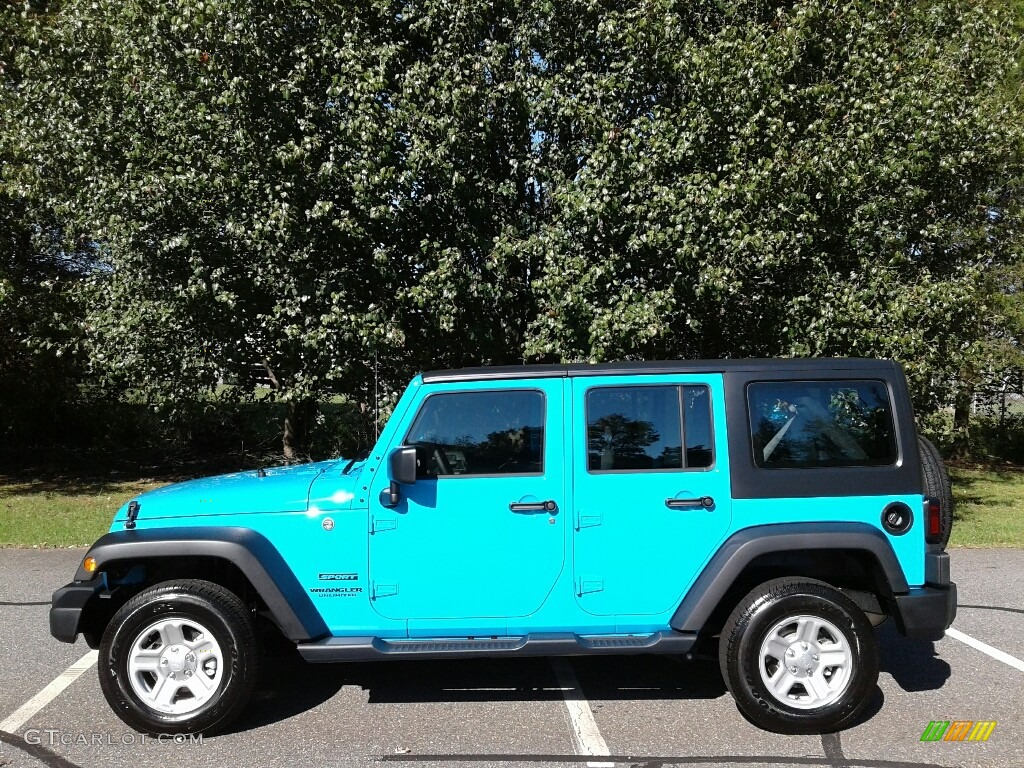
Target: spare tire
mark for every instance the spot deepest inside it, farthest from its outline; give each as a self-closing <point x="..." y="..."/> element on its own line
<point x="937" y="485"/>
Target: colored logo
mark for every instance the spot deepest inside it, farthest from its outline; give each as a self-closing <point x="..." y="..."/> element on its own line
<point x="958" y="730"/>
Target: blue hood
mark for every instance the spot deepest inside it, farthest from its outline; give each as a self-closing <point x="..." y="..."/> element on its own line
<point x="280" y="489"/>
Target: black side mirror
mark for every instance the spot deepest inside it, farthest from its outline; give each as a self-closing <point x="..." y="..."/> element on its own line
<point x="403" y="472"/>
<point x="403" y="465"/>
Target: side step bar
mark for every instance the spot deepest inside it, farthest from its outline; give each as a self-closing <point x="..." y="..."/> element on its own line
<point x="536" y="644"/>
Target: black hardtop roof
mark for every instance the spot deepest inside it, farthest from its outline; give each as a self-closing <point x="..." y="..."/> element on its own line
<point x="807" y="365"/>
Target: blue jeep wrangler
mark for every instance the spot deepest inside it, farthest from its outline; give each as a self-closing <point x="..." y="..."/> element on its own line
<point x="778" y="509"/>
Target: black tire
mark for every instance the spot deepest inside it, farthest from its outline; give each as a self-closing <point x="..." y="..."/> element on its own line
<point x="937" y="485"/>
<point x="760" y="615"/>
<point x="188" y="604"/>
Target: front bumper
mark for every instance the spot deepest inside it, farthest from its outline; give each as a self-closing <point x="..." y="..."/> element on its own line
<point x="66" y="608"/>
<point x="925" y="613"/>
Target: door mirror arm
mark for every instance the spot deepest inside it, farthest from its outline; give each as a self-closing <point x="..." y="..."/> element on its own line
<point x="391" y="495"/>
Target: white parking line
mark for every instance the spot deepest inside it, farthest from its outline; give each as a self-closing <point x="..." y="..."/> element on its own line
<point x="995" y="653"/>
<point x="586" y="737"/>
<point x="29" y="709"/>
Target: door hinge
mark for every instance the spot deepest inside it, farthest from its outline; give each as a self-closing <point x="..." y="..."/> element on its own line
<point x="587" y="584"/>
<point x="384" y="590"/>
<point x="588" y="520"/>
<point x="382" y="523"/>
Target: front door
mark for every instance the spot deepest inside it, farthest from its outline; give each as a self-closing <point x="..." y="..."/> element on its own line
<point x="481" y="532"/>
<point x="651" y="490"/>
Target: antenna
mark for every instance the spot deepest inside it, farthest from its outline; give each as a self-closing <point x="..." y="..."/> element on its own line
<point x="376" y="398"/>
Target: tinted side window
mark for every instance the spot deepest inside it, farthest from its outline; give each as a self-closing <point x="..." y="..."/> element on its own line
<point x="480" y="433"/>
<point x="697" y="427"/>
<point x="640" y="428"/>
<point x="801" y="424"/>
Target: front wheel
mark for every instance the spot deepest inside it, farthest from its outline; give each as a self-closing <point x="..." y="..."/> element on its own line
<point x="799" y="656"/>
<point x="180" y="657"/>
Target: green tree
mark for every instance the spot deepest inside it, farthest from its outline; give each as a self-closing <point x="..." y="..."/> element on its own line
<point x="992" y="340"/>
<point x="341" y="194"/>
<point x="761" y="178"/>
<point x="303" y="187"/>
<point x="40" y="260"/>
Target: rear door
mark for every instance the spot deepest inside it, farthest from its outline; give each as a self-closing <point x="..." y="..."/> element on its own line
<point x="651" y="488"/>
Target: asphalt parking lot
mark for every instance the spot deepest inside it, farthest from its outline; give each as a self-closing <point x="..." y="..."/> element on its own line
<point x="639" y="711"/>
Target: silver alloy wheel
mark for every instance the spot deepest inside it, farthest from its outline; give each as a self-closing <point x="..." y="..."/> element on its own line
<point x="175" y="666"/>
<point x="806" y="662"/>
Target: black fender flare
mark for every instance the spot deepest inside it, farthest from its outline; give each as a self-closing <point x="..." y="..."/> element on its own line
<point x="249" y="551"/>
<point x="740" y="549"/>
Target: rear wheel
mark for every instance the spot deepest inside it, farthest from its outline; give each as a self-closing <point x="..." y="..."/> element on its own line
<point x="798" y="656"/>
<point x="180" y="657"/>
<point x="937" y="485"/>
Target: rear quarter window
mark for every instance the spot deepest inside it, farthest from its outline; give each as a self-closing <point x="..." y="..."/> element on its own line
<point x="807" y="424"/>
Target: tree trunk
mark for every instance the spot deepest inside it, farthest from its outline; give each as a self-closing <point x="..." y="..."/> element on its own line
<point x="298" y="417"/>
<point x="962" y="420"/>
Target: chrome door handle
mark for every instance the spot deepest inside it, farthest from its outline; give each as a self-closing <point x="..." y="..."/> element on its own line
<point x="704" y="501"/>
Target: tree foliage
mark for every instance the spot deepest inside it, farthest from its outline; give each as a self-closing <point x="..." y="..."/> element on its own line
<point x="332" y="193"/>
<point x="41" y="258"/>
<point x="814" y="179"/>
